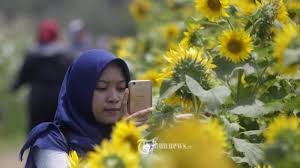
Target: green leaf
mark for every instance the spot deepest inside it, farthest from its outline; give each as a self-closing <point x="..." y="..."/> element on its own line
<point x="252" y="152"/>
<point x="239" y="159"/>
<point x="291" y="56"/>
<point x="231" y="128"/>
<point x="252" y="132"/>
<point x="168" y="88"/>
<point x="212" y="98"/>
<point x="257" y="109"/>
<point x="248" y="70"/>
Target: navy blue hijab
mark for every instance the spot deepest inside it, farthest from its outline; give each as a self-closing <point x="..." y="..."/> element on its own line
<point x="74" y="126"/>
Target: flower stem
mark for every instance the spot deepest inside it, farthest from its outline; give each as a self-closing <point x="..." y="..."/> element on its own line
<point x="240" y="74"/>
<point x="256" y="86"/>
<point x="231" y="26"/>
<point x="195" y="103"/>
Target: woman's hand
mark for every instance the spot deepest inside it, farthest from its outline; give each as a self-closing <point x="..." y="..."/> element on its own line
<point x="140" y="117"/>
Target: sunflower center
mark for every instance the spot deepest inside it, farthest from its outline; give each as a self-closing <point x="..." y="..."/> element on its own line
<point x="172" y="33"/>
<point x="142" y="10"/>
<point x="113" y="161"/>
<point x="132" y="141"/>
<point x="235" y="46"/>
<point x="214" y="5"/>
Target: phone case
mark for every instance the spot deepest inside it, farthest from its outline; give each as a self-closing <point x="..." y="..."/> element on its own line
<point x="140" y="95"/>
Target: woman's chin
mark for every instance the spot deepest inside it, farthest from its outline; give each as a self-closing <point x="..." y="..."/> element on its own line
<point x="110" y="120"/>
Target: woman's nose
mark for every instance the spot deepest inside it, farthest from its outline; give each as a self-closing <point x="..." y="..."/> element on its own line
<point x="113" y="96"/>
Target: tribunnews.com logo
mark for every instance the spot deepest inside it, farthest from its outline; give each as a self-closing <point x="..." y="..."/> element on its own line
<point x="148" y="146"/>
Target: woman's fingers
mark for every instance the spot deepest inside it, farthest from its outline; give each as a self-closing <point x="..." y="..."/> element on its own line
<point x="140" y="123"/>
<point x="184" y="116"/>
<point x="140" y="114"/>
<point x="124" y="107"/>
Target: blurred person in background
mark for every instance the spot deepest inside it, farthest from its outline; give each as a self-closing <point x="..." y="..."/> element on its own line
<point x="80" y="39"/>
<point x="103" y="41"/>
<point x="43" y="70"/>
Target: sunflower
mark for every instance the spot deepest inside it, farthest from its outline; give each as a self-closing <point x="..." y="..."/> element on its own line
<point x="281" y="13"/>
<point x="151" y="74"/>
<point x="235" y="45"/>
<point x="283" y="39"/>
<point x="139" y="9"/>
<point x="213" y="9"/>
<point x="279" y="124"/>
<point x="186" y="104"/>
<point x="125" y="132"/>
<point x="171" y="32"/>
<point x="180" y="55"/>
<point x="187" y="61"/>
<point x="122" y="47"/>
<point x="112" y="155"/>
<point x="246" y="7"/>
<point x="293" y="5"/>
<point x="208" y="143"/>
<point x="190" y="36"/>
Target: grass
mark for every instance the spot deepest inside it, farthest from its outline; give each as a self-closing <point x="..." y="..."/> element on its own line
<point x="14" y="39"/>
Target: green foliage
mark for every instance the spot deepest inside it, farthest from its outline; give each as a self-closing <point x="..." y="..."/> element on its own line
<point x="212" y="98"/>
<point x="285" y="152"/>
<point x="253" y="153"/>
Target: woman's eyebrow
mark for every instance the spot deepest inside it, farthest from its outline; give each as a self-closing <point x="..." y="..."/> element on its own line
<point x="107" y="81"/>
<point x="104" y="81"/>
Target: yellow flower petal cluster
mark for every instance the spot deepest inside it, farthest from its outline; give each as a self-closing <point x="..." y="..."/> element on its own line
<point x="126" y="132"/>
<point x="263" y="166"/>
<point x="189" y="35"/>
<point x="73" y="160"/>
<point x="176" y="55"/>
<point x="112" y="155"/>
<point x="214" y="10"/>
<point x="282" y="40"/>
<point x="235" y="45"/>
<point x="293" y="5"/>
<point x="279" y="124"/>
<point x="122" y="47"/>
<point x="246" y="7"/>
<point x="171" y="32"/>
<point x="153" y="75"/>
<point x="208" y="143"/>
<point x="139" y="9"/>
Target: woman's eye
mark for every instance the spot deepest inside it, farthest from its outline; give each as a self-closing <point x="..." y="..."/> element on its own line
<point x="101" y="88"/>
<point x="122" y="88"/>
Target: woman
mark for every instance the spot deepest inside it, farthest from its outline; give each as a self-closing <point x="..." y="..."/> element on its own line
<point x="92" y="98"/>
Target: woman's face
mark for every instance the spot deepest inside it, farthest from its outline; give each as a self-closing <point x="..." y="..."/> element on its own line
<point x="108" y="95"/>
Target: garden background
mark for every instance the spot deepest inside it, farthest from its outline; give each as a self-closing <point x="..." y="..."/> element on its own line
<point x="232" y="66"/>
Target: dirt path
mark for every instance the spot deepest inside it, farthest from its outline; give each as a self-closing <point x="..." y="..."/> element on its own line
<point x="9" y="158"/>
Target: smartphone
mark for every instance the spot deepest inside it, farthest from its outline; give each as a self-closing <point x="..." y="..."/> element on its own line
<point x="140" y="95"/>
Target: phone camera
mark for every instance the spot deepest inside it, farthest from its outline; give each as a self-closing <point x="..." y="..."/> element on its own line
<point x="133" y="83"/>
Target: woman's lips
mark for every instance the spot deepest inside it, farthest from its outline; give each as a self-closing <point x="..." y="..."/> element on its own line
<point x="112" y="110"/>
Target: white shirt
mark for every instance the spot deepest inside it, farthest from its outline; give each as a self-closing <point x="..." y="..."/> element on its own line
<point x="46" y="158"/>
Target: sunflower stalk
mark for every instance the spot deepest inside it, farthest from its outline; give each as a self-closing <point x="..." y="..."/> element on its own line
<point x="257" y="84"/>
<point x="194" y="99"/>
<point x="204" y="48"/>
<point x="240" y="74"/>
<point x="230" y="24"/>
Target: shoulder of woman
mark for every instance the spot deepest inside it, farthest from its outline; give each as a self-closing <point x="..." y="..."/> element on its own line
<point x="47" y="158"/>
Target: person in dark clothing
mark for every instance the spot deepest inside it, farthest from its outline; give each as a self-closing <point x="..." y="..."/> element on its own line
<point x="43" y="69"/>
